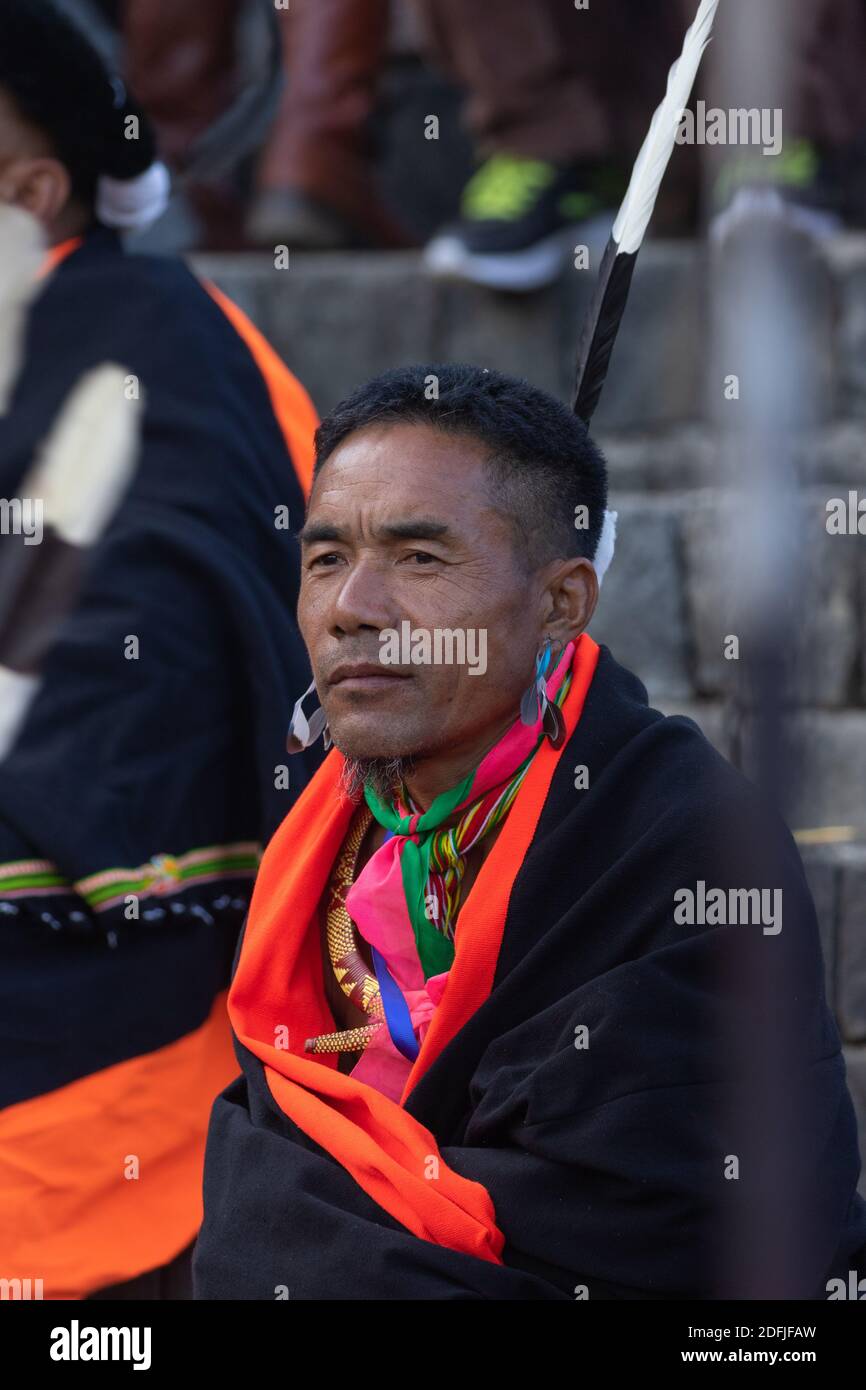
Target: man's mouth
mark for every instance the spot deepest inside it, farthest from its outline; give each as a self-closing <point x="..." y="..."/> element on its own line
<point x="366" y="675"/>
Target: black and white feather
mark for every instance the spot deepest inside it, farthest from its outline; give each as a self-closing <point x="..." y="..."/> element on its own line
<point x="606" y="310"/>
<point x="68" y="499"/>
<point x="22" y="251"/>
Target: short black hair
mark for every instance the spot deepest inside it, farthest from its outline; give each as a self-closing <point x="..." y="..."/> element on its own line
<point x="58" y="82"/>
<point x="543" y="463"/>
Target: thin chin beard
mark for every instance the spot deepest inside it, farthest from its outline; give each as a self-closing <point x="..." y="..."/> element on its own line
<point x="384" y="776"/>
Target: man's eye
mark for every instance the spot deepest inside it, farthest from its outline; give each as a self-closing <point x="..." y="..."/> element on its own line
<point x="323" y="559"/>
<point x="422" y="556"/>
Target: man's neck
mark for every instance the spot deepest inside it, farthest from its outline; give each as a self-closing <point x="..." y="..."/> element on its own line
<point x="432" y="776"/>
<point x="72" y="222"/>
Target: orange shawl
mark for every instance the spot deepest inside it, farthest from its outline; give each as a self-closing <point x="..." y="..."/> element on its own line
<point x="277" y="1000"/>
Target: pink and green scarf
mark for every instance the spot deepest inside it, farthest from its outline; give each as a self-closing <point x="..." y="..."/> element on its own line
<point x="404" y="900"/>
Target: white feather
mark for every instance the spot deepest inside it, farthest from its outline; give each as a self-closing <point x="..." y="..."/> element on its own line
<point x="16" y="694"/>
<point x="88" y="459"/>
<point x="606" y="546"/>
<point x="134" y="203"/>
<point x="637" y="206"/>
<point x="22" y="250"/>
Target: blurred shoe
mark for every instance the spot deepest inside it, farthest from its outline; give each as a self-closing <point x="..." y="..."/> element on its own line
<point x="516" y="226"/>
<point x="280" y="215"/>
<point x="754" y="205"/>
<point x="789" y="189"/>
<point x="290" y="217"/>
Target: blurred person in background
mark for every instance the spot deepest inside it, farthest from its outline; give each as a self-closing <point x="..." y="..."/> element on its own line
<point x="556" y="99"/>
<point x="146" y="776"/>
<point x="316" y="181"/>
<point x="180" y="62"/>
<point x="556" y="94"/>
<point x="812" y="181"/>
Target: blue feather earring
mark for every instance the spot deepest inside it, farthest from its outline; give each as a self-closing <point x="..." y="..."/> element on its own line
<point x="535" y="701"/>
<point x="535" y="696"/>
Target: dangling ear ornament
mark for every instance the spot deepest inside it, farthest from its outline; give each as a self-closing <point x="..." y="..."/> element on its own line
<point x="303" y="731"/>
<point x="553" y="723"/>
<point x="535" y="701"/>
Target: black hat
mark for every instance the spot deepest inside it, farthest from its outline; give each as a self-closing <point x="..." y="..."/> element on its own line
<point x="59" y="83"/>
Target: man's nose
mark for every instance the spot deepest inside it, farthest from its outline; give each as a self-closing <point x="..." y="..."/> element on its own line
<point x="364" y="598"/>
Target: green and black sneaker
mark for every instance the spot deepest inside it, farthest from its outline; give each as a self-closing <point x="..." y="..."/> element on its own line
<point x="793" y="189"/>
<point x="517" y="220"/>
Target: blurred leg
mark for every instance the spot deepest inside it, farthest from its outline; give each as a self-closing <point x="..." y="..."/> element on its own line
<point x="832" y="66"/>
<point x="815" y="80"/>
<point x="319" y="146"/>
<point x="180" y="63"/>
<point x="525" y="94"/>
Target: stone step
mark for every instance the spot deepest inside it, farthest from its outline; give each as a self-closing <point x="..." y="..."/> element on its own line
<point x="669" y="601"/>
<point x="338" y="319"/>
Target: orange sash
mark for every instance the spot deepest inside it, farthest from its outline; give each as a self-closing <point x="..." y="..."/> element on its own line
<point x="277" y="1001"/>
<point x="294" y="411"/>
<point x="56" y="255"/>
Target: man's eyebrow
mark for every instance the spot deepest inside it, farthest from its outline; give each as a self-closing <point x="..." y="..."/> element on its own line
<point x="320" y="531"/>
<point x="418" y="528"/>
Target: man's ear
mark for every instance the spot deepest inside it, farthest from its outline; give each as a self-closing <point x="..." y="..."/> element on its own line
<point x="41" y="186"/>
<point x="572" y="594"/>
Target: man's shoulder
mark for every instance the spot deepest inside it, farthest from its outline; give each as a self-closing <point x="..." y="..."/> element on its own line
<point x="100" y="267"/>
<point x="653" y="769"/>
<point x="153" y="316"/>
<point x="139" y="305"/>
<point x="620" y="730"/>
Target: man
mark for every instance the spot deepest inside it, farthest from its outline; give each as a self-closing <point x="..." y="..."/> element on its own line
<point x="148" y="773"/>
<point x="529" y="1002"/>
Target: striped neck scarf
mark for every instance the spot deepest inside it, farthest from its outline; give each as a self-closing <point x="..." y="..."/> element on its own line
<point x="414" y="879"/>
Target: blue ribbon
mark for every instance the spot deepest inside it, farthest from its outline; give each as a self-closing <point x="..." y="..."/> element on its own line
<point x="397" y="1016"/>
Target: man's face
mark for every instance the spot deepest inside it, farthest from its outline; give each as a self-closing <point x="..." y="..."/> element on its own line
<point x="17" y="145"/>
<point x="401" y="528"/>
<point x="31" y="176"/>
